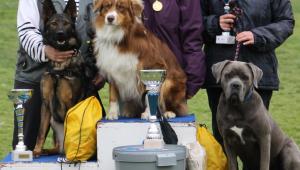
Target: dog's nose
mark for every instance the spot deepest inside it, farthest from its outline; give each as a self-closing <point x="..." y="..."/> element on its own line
<point x="60" y="34"/>
<point x="110" y="18"/>
<point x="235" y="86"/>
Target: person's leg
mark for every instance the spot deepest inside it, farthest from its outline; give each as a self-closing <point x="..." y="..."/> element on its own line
<point x="32" y="116"/>
<point x="266" y="96"/>
<point x="213" y="95"/>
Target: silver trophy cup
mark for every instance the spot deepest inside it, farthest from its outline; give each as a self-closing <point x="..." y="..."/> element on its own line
<point x="19" y="97"/>
<point x="225" y="38"/>
<point x="153" y="80"/>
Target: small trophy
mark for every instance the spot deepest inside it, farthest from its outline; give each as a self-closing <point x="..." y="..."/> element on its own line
<point x="19" y="97"/>
<point x="225" y="38"/>
<point x="153" y="80"/>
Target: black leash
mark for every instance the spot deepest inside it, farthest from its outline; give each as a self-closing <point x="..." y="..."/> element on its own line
<point x="237" y="51"/>
<point x="169" y="135"/>
<point x="235" y="10"/>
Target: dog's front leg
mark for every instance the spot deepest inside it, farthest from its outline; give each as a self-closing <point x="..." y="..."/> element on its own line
<point x="265" y="147"/>
<point x="146" y="114"/>
<point x="231" y="155"/>
<point x="114" y="109"/>
<point x="43" y="131"/>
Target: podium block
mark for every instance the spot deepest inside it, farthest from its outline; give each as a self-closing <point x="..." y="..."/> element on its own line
<point x="110" y="134"/>
<point x="127" y="131"/>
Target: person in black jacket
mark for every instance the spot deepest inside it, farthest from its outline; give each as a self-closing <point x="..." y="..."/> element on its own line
<point x="261" y="27"/>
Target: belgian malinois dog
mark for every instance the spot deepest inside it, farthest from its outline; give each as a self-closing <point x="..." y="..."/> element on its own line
<point x="64" y="84"/>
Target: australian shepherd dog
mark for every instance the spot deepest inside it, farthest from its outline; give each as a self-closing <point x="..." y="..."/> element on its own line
<point x="123" y="46"/>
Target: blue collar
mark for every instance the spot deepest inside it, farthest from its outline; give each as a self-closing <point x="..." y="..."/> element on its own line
<point x="248" y="96"/>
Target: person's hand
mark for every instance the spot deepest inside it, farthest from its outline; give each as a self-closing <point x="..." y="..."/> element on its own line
<point x="245" y="37"/>
<point x="226" y="21"/>
<point x="56" y="55"/>
<point x="99" y="81"/>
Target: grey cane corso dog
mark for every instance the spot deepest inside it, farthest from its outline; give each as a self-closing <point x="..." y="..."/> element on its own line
<point x="247" y="128"/>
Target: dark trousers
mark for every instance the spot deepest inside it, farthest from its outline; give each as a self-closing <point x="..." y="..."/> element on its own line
<point x="214" y="94"/>
<point x="32" y="116"/>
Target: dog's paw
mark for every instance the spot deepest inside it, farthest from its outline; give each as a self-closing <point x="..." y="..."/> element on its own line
<point x="37" y="153"/>
<point x="112" y="116"/>
<point x="114" y="112"/>
<point x="169" y="114"/>
<point x="145" y="115"/>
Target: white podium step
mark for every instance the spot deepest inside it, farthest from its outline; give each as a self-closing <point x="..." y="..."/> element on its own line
<point x="126" y="131"/>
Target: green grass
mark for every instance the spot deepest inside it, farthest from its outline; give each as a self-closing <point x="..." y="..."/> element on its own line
<point x="285" y="104"/>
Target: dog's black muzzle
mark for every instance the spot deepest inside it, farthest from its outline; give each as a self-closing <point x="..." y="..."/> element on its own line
<point x="235" y="88"/>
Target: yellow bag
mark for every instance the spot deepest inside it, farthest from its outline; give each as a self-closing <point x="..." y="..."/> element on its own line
<point x="80" y="129"/>
<point x="216" y="159"/>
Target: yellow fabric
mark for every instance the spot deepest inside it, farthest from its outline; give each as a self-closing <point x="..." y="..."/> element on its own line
<point x="216" y="159"/>
<point x="80" y="129"/>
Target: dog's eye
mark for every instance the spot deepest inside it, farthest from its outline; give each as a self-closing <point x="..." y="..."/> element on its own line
<point x="244" y="77"/>
<point x="227" y="76"/>
<point x="121" y="8"/>
<point x="105" y="7"/>
<point x="66" y="23"/>
<point x="54" y="24"/>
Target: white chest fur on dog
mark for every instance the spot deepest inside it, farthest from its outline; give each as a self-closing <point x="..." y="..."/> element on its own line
<point x="239" y="132"/>
<point x="121" y="68"/>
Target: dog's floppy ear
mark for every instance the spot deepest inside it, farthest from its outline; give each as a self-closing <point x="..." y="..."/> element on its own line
<point x="256" y="72"/>
<point x="136" y="7"/>
<point x="71" y="9"/>
<point x="48" y="10"/>
<point x="94" y="2"/>
<point x="97" y="6"/>
<point x="218" y="68"/>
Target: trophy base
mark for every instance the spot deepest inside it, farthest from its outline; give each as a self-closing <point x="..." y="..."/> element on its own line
<point x="21" y="156"/>
<point x="225" y="38"/>
<point x="153" y="143"/>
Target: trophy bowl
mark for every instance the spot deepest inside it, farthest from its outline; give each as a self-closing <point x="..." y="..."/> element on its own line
<point x="152" y="77"/>
<point x="19" y="97"/>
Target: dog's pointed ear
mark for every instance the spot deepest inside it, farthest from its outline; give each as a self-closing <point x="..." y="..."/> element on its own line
<point x="136" y="7"/>
<point x="256" y="73"/>
<point x="48" y="10"/>
<point x="218" y="68"/>
<point x="71" y="9"/>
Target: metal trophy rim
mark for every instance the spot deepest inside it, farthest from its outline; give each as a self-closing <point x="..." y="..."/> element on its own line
<point x="21" y="90"/>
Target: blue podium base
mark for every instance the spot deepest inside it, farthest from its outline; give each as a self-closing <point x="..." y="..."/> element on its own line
<point x="52" y="158"/>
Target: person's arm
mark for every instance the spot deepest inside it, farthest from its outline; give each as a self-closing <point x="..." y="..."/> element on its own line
<point x="30" y="37"/>
<point x="190" y="33"/>
<point x="273" y="35"/>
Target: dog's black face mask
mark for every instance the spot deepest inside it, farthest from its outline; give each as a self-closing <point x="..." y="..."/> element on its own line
<point x="59" y="29"/>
